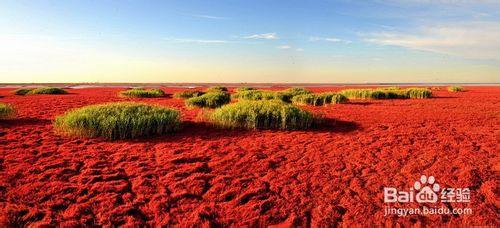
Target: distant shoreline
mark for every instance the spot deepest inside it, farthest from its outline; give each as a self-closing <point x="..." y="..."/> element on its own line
<point x="195" y="85"/>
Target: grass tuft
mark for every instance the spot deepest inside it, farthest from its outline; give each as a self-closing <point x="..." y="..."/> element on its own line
<point x="338" y="98"/>
<point x="296" y="91"/>
<point x="456" y="89"/>
<point x="217" y="89"/>
<point x="418" y="93"/>
<point x="209" y="100"/>
<point x="241" y="89"/>
<point x="141" y="93"/>
<point x="121" y="120"/>
<point x="285" y="95"/>
<point x="22" y="91"/>
<point x="358" y="93"/>
<point x="387" y="93"/>
<point x="6" y="111"/>
<point x="319" y="99"/>
<point x="188" y="94"/>
<point x="48" y="90"/>
<point x="255" y="95"/>
<point x="271" y="114"/>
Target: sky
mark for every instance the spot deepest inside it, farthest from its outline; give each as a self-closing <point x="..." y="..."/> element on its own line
<point x="236" y="41"/>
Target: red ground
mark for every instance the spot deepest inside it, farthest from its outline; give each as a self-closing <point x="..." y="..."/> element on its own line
<point x="329" y="176"/>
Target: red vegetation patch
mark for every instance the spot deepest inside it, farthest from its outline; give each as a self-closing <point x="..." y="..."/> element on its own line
<point x="205" y="176"/>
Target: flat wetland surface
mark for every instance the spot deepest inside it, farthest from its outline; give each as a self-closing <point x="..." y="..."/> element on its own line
<point x="331" y="175"/>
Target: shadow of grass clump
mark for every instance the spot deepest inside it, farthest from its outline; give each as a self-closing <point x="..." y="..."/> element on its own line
<point x="323" y="124"/>
<point x="17" y="122"/>
<point x="121" y="120"/>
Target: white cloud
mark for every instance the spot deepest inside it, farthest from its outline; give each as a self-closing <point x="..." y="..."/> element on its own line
<point x="266" y="36"/>
<point x="475" y="40"/>
<point x="284" y="47"/>
<point x="328" y="39"/>
<point x="288" y="47"/>
<point x="197" y="41"/>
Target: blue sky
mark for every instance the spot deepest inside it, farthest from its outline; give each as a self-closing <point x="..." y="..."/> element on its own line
<point x="250" y="41"/>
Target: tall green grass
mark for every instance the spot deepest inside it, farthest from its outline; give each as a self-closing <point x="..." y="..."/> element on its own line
<point x="188" y="94"/>
<point x="418" y="93"/>
<point x="456" y="89"/>
<point x="121" y="120"/>
<point x="284" y="95"/>
<point x="22" y="91"/>
<point x="270" y="114"/>
<point x="287" y="94"/>
<point x="255" y="95"/>
<point x="387" y="93"/>
<point x="296" y="91"/>
<point x="209" y="100"/>
<point x="359" y="93"/>
<point x="337" y="98"/>
<point x="215" y="89"/>
<point x="241" y="89"/>
<point x="48" y="90"/>
<point x="6" y="111"/>
<point x="319" y="99"/>
<point x="142" y="93"/>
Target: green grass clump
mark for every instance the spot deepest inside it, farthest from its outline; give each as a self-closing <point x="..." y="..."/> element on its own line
<point x="285" y="95"/>
<point x="188" y="94"/>
<point x="336" y="98"/>
<point x="255" y="95"/>
<point x="6" y="111"/>
<point x="216" y="89"/>
<point x="22" y="91"/>
<point x="209" y="100"/>
<point x="418" y="93"/>
<point x="359" y="93"/>
<point x="142" y="93"/>
<point x="48" y="90"/>
<point x="43" y="90"/>
<point x="296" y="91"/>
<point x="241" y="89"/>
<point x="270" y="114"/>
<point x="121" y="120"/>
<point x="387" y="93"/>
<point x="391" y="94"/>
<point x="309" y="99"/>
<point x="456" y="89"/>
<point x="319" y="99"/>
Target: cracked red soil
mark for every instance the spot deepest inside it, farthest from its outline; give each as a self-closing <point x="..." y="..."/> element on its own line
<point x="329" y="176"/>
